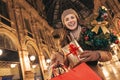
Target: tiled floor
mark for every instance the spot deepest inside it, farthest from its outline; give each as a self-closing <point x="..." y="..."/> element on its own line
<point x="111" y="69"/>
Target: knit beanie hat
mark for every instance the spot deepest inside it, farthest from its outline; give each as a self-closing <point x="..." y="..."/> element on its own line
<point x="68" y="11"/>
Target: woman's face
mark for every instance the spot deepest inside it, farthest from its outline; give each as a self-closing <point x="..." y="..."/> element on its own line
<point x="70" y="21"/>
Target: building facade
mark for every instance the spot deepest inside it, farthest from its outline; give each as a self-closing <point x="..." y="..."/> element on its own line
<point x="27" y="40"/>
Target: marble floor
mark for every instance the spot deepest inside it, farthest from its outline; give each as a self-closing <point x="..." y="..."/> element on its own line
<point x="111" y="69"/>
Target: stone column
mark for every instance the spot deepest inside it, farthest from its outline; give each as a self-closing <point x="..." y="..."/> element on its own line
<point x="27" y="73"/>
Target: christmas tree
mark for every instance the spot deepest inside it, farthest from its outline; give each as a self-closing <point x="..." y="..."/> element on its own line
<point x="99" y="35"/>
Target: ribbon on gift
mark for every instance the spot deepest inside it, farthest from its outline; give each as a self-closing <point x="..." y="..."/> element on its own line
<point x="73" y="50"/>
<point x="101" y="25"/>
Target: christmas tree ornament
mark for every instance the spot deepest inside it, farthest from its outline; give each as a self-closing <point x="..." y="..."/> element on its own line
<point x="101" y="25"/>
<point x="99" y="35"/>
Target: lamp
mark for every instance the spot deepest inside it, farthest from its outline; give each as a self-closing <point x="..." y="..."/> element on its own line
<point x="1" y="52"/>
<point x="48" y="61"/>
<point x="32" y="58"/>
<point x="13" y="65"/>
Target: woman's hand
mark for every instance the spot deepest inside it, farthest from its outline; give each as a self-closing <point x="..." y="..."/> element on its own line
<point x="89" y="56"/>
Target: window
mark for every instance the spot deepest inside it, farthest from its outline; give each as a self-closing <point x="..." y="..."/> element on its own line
<point x="27" y="25"/>
<point x="4" y="16"/>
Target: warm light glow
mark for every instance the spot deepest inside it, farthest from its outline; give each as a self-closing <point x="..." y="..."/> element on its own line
<point x="32" y="58"/>
<point x="1" y="52"/>
<point x="105" y="71"/>
<point x="34" y="66"/>
<point x="44" y="64"/>
<point x="48" y="60"/>
<point x="13" y="65"/>
<point x="46" y="67"/>
<point x="112" y="45"/>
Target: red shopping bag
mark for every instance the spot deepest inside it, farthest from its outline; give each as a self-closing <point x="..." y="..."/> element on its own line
<point x="80" y="72"/>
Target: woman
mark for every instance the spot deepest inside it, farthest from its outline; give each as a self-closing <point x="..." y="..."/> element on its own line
<point x="92" y="53"/>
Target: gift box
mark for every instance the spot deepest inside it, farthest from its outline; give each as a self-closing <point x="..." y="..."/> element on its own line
<point x="72" y="52"/>
<point x="80" y="72"/>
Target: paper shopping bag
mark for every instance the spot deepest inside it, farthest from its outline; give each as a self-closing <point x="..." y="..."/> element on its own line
<point x="80" y="72"/>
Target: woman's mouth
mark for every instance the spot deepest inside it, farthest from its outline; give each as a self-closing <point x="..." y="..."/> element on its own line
<point x="71" y="23"/>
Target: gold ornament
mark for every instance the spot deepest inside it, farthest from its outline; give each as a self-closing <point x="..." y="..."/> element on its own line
<point x="101" y="24"/>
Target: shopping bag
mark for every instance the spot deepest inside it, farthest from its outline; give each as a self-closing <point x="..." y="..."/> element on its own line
<point x="80" y="72"/>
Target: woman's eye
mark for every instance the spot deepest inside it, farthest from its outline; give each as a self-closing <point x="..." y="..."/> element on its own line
<point x="72" y="17"/>
<point x="67" y="19"/>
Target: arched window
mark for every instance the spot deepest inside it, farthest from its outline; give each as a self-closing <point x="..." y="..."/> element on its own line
<point x="34" y="61"/>
<point x="9" y="59"/>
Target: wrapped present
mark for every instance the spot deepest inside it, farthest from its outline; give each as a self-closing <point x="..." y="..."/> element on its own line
<point x="80" y="72"/>
<point x="73" y="51"/>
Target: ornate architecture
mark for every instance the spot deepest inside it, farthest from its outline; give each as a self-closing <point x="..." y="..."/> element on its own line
<point x="28" y="34"/>
<point x="25" y="39"/>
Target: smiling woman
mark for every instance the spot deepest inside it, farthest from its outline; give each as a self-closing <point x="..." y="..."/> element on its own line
<point x="93" y="50"/>
<point x="54" y="9"/>
<point x="71" y="21"/>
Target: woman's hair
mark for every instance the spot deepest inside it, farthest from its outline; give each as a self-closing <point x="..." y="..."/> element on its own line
<point x="67" y="12"/>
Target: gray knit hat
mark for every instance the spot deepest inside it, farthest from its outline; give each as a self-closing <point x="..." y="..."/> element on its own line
<point x="68" y="11"/>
